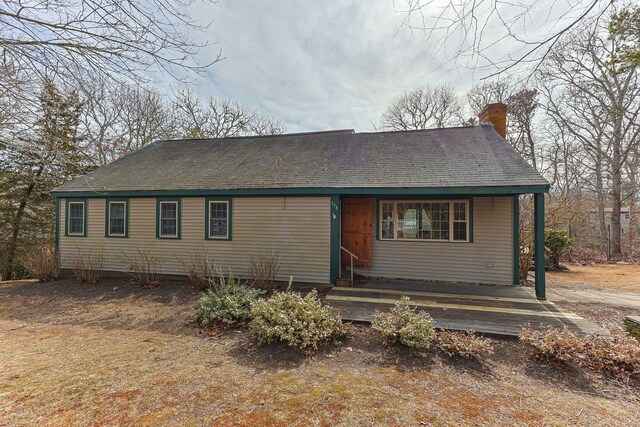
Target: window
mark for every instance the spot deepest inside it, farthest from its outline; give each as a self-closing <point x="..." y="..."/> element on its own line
<point x="425" y="220"/>
<point x="169" y="219"/>
<point x="218" y="220"/>
<point x="460" y="221"/>
<point x="117" y="218"/>
<point x="76" y="219"/>
<point x="387" y="220"/>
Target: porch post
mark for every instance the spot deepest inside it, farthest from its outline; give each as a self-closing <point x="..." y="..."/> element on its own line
<point x="334" y="257"/>
<point x="516" y="239"/>
<point x="539" y="244"/>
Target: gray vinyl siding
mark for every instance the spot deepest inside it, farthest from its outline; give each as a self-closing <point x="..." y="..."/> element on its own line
<point x="297" y="227"/>
<point x="489" y="259"/>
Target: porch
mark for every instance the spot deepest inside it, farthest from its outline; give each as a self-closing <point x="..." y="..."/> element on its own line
<point x="488" y="309"/>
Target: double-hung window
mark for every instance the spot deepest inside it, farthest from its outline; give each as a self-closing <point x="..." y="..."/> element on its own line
<point x="168" y="214"/>
<point x="218" y="220"/>
<point x="76" y="216"/>
<point x="441" y="220"/>
<point x="117" y="218"/>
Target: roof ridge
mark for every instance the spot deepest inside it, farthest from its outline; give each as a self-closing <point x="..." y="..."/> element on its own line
<point x="420" y="130"/>
<point x="279" y="135"/>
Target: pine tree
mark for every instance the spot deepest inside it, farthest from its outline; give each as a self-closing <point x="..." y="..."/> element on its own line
<point x="34" y="163"/>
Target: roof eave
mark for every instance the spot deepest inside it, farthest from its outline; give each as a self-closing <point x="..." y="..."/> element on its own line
<point x="302" y="191"/>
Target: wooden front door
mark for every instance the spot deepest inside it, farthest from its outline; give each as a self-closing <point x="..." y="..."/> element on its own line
<point x="357" y="218"/>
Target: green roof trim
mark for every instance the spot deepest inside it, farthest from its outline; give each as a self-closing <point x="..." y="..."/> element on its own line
<point x="379" y="191"/>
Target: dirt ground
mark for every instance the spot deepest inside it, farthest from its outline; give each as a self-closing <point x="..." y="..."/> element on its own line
<point x="116" y="354"/>
<point x="618" y="277"/>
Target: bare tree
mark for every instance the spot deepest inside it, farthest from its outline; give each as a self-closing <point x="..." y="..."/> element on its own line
<point x="422" y="108"/>
<point x="473" y="32"/>
<point x="219" y="118"/>
<point x="120" y="118"/>
<point x="521" y="104"/>
<point x="109" y="38"/>
<point x="522" y="107"/>
<point x="599" y="107"/>
<point x="487" y="92"/>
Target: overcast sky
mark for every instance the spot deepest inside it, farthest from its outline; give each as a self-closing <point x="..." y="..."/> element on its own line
<point x="320" y="64"/>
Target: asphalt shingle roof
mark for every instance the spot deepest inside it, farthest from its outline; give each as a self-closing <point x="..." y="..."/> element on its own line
<point x="435" y="158"/>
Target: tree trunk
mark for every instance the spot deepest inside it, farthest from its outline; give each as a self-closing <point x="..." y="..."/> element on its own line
<point x="616" y="195"/>
<point x="601" y="199"/>
<point x="632" y="224"/>
<point x="16" y="225"/>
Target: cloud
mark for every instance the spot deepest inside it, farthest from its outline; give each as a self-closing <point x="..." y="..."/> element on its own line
<point x="316" y="65"/>
<point x="328" y="64"/>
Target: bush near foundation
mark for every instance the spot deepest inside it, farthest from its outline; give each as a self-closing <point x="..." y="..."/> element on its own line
<point x="41" y="263"/>
<point x="227" y="300"/>
<point x="198" y="268"/>
<point x="88" y="266"/>
<point x="405" y="326"/>
<point x="301" y="322"/>
<point x="145" y="269"/>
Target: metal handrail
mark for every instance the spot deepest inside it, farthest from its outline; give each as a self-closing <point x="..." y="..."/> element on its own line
<point x="352" y="256"/>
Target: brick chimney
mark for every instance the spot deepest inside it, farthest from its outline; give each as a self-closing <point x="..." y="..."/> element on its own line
<point x="497" y="114"/>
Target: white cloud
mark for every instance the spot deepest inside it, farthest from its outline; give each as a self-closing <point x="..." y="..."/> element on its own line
<point x="316" y="65"/>
<point x="322" y="64"/>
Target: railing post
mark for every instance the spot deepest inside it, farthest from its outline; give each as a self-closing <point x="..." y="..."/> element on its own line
<point x="351" y="270"/>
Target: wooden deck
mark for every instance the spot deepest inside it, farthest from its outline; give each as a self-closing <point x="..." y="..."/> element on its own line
<point x="493" y="310"/>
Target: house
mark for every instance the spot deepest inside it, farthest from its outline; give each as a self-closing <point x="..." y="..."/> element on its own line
<point x="439" y="204"/>
<point x="608" y="214"/>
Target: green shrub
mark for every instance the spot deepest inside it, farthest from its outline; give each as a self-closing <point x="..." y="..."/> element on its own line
<point x="463" y="344"/>
<point x="301" y="322"/>
<point x="558" y="244"/>
<point x="227" y="301"/>
<point x="405" y="325"/>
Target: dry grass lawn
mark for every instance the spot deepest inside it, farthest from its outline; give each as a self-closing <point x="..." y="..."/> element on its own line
<point x="617" y="277"/>
<point x="116" y="354"/>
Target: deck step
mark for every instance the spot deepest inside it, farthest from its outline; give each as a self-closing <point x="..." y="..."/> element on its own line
<point x="529" y="312"/>
<point x="343" y="282"/>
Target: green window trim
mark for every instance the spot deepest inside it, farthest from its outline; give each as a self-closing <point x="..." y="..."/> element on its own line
<point x="107" y="213"/>
<point x="57" y="248"/>
<point x="178" y="202"/>
<point x="207" y="223"/>
<point x="68" y="202"/>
